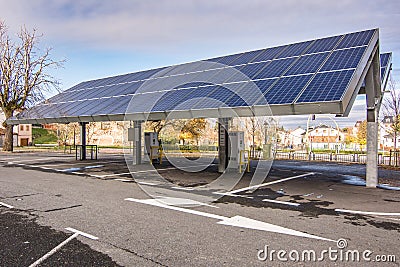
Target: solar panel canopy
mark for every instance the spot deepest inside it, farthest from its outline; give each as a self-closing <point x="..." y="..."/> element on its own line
<point x="311" y="77"/>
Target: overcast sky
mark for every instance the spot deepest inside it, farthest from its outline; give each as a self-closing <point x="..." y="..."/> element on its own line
<point x="105" y="38"/>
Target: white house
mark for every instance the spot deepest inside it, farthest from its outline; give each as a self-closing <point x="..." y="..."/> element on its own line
<point x="22" y="133"/>
<point x="325" y="137"/>
<point x="386" y="136"/>
<point x="293" y="139"/>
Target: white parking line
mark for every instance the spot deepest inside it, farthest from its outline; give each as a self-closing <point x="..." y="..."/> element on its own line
<point x="123" y="180"/>
<point x="182" y="188"/>
<point x="57" y="248"/>
<point x="269" y="183"/>
<point x="369" y="212"/>
<point x="6" y="205"/>
<point x="232" y="195"/>
<point x="3" y="159"/>
<point x="79" y="163"/>
<point x="281" y="202"/>
<point x="126" y="173"/>
<point x="36" y="159"/>
<point x="146" y="183"/>
<point x="394" y="219"/>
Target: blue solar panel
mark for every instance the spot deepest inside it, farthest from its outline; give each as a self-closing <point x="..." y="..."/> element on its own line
<point x="385" y="64"/>
<point x="328" y="86"/>
<point x="264" y="85"/>
<point x="223" y="93"/>
<point x="246" y="57"/>
<point x="192" y="84"/>
<point x="184" y="68"/>
<point x="226" y="60"/>
<point x="245" y="94"/>
<point x="307" y="64"/>
<point x="209" y="97"/>
<point x="118" y="109"/>
<point x="250" y="70"/>
<point x="175" y="99"/>
<point x="101" y="106"/>
<point x="356" y="39"/>
<point x="286" y="89"/>
<point x="219" y="95"/>
<point x="275" y="69"/>
<point x="72" y="107"/>
<point x="384" y="58"/>
<point x="76" y="87"/>
<point x="283" y="74"/>
<point x="344" y="59"/>
<point x="323" y="45"/>
<point x="294" y="49"/>
<point x="268" y="54"/>
<point x="170" y="98"/>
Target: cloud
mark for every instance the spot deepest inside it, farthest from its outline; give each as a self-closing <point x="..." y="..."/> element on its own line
<point x="175" y="25"/>
<point x="176" y="30"/>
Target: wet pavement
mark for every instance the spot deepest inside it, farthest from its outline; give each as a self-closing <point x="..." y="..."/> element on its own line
<point x="23" y="241"/>
<point x="54" y="191"/>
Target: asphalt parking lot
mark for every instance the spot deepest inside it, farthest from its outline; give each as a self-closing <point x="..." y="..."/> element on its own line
<point x="301" y="206"/>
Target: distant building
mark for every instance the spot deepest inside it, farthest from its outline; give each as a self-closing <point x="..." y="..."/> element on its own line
<point x="386" y="135"/>
<point x="293" y="139"/>
<point x="22" y="134"/>
<point x="326" y="137"/>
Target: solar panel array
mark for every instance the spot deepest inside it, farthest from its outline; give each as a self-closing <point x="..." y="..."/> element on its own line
<point x="307" y="72"/>
<point x="386" y="59"/>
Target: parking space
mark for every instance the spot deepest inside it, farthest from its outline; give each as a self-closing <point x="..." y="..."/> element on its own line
<point x="31" y="242"/>
<point x="288" y="183"/>
<point x="296" y="207"/>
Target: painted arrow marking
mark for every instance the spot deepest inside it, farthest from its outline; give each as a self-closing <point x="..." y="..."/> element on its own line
<point x="237" y="221"/>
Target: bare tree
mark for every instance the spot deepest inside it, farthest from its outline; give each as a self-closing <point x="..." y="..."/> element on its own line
<point x="391" y="106"/>
<point x="253" y="125"/>
<point x="24" y="76"/>
<point x="157" y="126"/>
<point x="362" y="134"/>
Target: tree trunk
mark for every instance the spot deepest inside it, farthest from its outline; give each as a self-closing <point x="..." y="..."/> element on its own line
<point x="8" y="138"/>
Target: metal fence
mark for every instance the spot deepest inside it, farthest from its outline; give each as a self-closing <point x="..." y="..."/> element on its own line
<point x="391" y="159"/>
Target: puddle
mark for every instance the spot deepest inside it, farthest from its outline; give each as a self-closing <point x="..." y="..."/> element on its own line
<point x="353" y="180"/>
<point x="388" y="187"/>
<point x="82" y="168"/>
<point x="358" y="181"/>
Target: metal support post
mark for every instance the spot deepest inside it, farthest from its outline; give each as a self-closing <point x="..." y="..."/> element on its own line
<point x="373" y="94"/>
<point x="83" y="140"/>
<point x="138" y="142"/>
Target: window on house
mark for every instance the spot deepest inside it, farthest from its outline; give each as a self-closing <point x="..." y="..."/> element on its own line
<point x="27" y="127"/>
<point x="21" y="127"/>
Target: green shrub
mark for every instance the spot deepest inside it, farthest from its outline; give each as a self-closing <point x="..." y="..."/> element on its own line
<point x="43" y="136"/>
